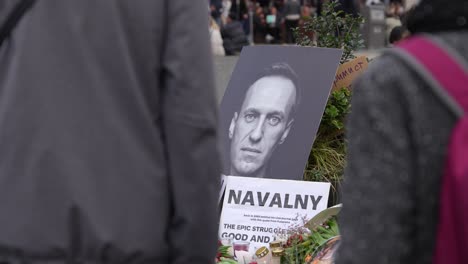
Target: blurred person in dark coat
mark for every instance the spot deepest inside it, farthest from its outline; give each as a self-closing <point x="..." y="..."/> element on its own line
<point x="233" y="35"/>
<point x="260" y="26"/>
<point x="398" y="136"/>
<point x="108" y="134"/>
<point x="273" y="20"/>
<point x="241" y="10"/>
<point x="216" y="9"/>
<point x="292" y="15"/>
<point x="348" y="7"/>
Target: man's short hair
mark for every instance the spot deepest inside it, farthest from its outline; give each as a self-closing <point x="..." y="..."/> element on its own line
<point x="282" y="69"/>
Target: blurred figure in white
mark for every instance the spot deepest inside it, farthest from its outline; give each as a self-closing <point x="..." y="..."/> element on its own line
<point x="216" y="39"/>
<point x="226" y="9"/>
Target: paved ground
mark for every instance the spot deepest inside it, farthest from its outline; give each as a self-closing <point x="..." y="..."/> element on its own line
<point x="224" y="66"/>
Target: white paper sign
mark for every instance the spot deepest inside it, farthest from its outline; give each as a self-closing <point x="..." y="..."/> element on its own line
<point x="256" y="209"/>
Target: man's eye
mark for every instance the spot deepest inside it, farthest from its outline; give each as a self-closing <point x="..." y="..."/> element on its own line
<point x="249" y="118"/>
<point x="274" y="120"/>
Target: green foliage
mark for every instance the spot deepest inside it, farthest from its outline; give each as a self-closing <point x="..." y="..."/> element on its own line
<point x="328" y="155"/>
<point x="337" y="108"/>
<point x="333" y="29"/>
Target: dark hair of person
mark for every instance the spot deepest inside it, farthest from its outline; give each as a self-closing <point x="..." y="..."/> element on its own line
<point x="396" y="34"/>
<point x="282" y="69"/>
<point x="438" y="16"/>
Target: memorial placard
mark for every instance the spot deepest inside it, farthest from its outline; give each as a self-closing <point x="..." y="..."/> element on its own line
<point x="256" y="210"/>
<point x="349" y="71"/>
<point x="272" y="108"/>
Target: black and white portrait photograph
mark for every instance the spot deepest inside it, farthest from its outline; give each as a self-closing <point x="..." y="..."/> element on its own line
<point x="272" y="108"/>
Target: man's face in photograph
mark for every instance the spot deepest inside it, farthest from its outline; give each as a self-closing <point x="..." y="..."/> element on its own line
<point x="262" y="123"/>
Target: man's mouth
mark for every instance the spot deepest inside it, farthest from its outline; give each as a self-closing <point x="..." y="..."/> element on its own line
<point x="253" y="150"/>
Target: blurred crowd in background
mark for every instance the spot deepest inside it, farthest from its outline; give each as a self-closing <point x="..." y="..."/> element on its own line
<point x="237" y="23"/>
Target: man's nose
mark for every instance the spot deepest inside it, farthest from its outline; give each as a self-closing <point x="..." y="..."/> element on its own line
<point x="257" y="133"/>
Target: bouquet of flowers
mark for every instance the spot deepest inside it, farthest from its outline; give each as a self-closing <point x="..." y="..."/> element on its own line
<point x="224" y="254"/>
<point x="304" y="242"/>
